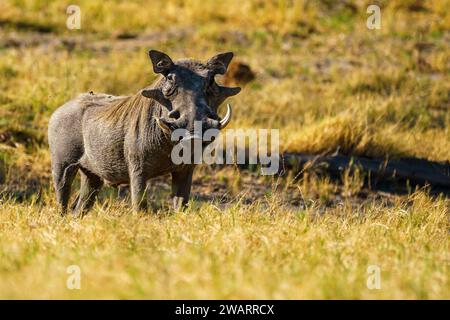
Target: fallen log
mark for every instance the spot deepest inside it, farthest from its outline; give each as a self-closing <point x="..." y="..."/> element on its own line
<point x="416" y="171"/>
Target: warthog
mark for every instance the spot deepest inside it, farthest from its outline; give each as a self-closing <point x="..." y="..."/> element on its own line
<point x="127" y="139"/>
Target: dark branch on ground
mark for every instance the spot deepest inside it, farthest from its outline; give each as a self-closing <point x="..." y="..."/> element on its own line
<point x="378" y="172"/>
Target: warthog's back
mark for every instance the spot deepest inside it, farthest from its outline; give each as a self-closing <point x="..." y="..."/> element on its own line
<point x="65" y="127"/>
<point x="87" y="100"/>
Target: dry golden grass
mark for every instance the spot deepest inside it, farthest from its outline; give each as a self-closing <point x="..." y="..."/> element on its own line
<point x="264" y="250"/>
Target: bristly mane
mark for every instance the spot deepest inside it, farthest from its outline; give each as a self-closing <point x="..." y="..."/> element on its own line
<point x="114" y="110"/>
<point x="133" y="112"/>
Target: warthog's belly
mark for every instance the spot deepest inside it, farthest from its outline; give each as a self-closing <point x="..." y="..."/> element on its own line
<point x="112" y="170"/>
<point x="104" y="154"/>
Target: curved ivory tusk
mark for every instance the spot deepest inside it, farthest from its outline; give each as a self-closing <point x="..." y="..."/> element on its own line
<point x="226" y="120"/>
<point x="163" y="125"/>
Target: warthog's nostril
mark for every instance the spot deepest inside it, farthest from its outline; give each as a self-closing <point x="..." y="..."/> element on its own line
<point x="174" y="114"/>
<point x="210" y="124"/>
<point x="213" y="115"/>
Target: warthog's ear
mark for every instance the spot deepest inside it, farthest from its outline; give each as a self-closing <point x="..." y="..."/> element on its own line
<point x="220" y="62"/>
<point x="156" y="94"/>
<point x="215" y="100"/>
<point x="161" y="62"/>
<point x="228" y="91"/>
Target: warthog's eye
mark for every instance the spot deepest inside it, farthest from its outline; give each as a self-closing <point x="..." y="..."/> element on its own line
<point x="169" y="87"/>
<point x="211" y="87"/>
<point x="174" y="114"/>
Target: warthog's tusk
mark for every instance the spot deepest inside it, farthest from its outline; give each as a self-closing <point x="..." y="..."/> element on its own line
<point x="163" y="125"/>
<point x="226" y="120"/>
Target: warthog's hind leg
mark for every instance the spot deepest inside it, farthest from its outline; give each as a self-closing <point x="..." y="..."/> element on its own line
<point x="90" y="186"/>
<point x="63" y="176"/>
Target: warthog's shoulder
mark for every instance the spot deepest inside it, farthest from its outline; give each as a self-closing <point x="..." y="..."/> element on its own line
<point x="87" y="100"/>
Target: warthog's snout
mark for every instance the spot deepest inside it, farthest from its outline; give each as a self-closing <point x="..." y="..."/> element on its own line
<point x="210" y="122"/>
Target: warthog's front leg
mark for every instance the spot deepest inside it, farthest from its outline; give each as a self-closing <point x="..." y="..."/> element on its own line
<point x="138" y="189"/>
<point x="181" y="187"/>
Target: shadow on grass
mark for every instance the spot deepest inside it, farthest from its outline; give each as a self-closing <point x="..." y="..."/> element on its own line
<point x="26" y="26"/>
<point x="213" y="191"/>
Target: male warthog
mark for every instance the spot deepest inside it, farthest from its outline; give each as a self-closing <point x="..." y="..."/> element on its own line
<point x="126" y="139"/>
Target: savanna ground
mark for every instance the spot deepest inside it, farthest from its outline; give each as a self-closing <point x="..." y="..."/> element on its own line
<point x="324" y="79"/>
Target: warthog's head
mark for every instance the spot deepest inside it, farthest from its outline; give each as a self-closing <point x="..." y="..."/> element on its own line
<point x="188" y="90"/>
